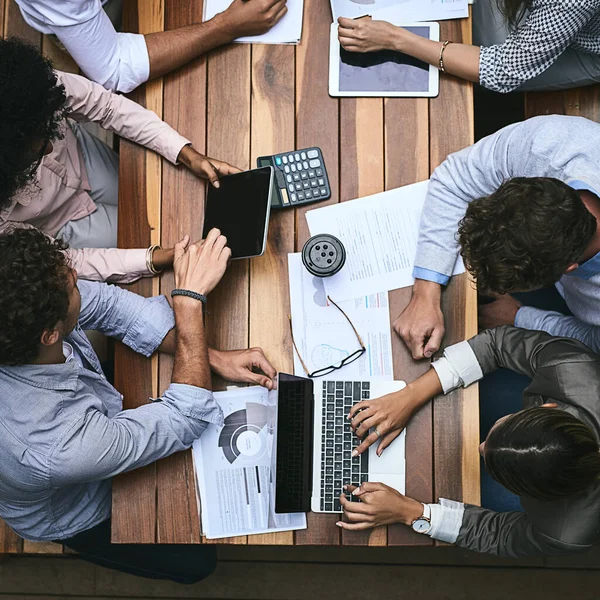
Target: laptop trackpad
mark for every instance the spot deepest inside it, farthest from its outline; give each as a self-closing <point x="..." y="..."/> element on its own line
<point x="392" y="459"/>
<point x="394" y="480"/>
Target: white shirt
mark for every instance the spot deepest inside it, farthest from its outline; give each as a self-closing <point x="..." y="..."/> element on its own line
<point x="118" y="61"/>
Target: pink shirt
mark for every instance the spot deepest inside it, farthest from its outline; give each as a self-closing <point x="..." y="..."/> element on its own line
<point x="61" y="192"/>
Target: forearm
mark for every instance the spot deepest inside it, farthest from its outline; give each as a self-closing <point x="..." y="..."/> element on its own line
<point x="191" y="351"/>
<point x="169" y="50"/>
<point x="461" y="60"/>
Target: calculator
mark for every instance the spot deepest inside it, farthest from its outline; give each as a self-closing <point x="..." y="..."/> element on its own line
<point x="300" y="177"/>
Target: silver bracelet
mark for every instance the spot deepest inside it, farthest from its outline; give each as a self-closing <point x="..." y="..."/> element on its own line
<point x="150" y="260"/>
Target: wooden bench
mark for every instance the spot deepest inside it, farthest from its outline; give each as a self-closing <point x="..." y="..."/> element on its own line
<point x="580" y="102"/>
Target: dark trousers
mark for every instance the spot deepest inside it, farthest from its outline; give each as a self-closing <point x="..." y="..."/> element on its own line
<point x="182" y="563"/>
<point x="500" y="394"/>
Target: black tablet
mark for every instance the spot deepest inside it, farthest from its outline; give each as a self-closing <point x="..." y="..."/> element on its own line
<point x="240" y="208"/>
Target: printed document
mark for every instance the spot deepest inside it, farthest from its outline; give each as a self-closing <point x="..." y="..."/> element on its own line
<point x="380" y="235"/>
<point x="235" y="466"/>
<point x="323" y="335"/>
<point x="287" y="31"/>
<point x="401" y="11"/>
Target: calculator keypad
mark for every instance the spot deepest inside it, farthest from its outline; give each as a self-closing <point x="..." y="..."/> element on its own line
<point x="304" y="176"/>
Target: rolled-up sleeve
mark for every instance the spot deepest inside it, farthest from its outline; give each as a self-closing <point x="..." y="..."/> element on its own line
<point x="141" y="323"/>
<point x="109" y="264"/>
<point x="90" y="102"/>
<point x="97" y="447"/>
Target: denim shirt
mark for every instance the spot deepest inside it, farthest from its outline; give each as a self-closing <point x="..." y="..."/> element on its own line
<point x="64" y="433"/>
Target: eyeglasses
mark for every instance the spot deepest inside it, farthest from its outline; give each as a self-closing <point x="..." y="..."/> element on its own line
<point x="345" y="361"/>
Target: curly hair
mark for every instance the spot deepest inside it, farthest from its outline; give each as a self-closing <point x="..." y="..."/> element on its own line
<point x="543" y="453"/>
<point x="524" y="235"/>
<point x="32" y="107"/>
<point x="34" y="295"/>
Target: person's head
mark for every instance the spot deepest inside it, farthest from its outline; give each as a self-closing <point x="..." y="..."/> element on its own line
<point x="32" y="105"/>
<point x="542" y="453"/>
<point x="39" y="299"/>
<point x="513" y="10"/>
<point x="525" y="235"/>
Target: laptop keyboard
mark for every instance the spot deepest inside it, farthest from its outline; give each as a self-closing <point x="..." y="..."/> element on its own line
<point x="338" y="468"/>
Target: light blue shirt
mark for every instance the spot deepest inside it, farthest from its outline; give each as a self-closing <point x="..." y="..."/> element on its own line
<point x="563" y="147"/>
<point x="65" y="433"/>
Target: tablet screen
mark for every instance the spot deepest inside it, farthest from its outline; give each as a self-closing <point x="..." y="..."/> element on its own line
<point x="240" y="209"/>
<point x="384" y="71"/>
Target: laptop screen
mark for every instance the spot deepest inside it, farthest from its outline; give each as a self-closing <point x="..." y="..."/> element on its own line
<point x="295" y="434"/>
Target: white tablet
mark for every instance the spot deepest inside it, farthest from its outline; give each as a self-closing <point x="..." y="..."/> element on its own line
<point x="383" y="73"/>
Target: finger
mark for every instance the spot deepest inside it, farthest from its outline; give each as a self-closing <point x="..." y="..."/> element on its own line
<point x="225" y="253"/>
<point x="350" y="488"/>
<point x="347" y="41"/>
<point x="347" y="33"/>
<point x="361" y="416"/>
<point x="356" y="517"/>
<point x="226" y="168"/>
<point x="353" y="507"/>
<point x="347" y="23"/>
<point x="368" y="423"/>
<point x="416" y="344"/>
<point x="354" y="526"/>
<point x="260" y="361"/>
<point x="387" y="439"/>
<point x="358" y="406"/>
<point x="357" y="491"/>
<point x="434" y="342"/>
<point x="211" y="238"/>
<point x="280" y="15"/>
<point x="211" y="173"/>
<point x="180" y="247"/>
<point x="259" y="379"/>
<point x="368" y="441"/>
<point x="219" y="245"/>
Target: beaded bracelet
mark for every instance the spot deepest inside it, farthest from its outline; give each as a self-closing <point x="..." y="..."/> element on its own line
<point x="441" y="61"/>
<point x="189" y="294"/>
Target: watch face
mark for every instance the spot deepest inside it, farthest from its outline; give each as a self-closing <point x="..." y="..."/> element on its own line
<point x="421" y="526"/>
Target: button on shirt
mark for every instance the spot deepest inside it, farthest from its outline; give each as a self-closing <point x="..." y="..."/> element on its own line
<point x="117" y="61"/>
<point x="65" y="433"/>
<point x="61" y="193"/>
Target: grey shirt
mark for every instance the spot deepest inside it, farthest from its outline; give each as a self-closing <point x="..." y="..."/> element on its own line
<point x="565" y="372"/>
<point x="566" y="148"/>
<point x="65" y="433"/>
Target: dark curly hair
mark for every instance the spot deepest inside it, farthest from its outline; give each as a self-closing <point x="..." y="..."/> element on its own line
<point x="34" y="295"/>
<point x="32" y="106"/>
<point x="543" y="453"/>
<point x="524" y="235"/>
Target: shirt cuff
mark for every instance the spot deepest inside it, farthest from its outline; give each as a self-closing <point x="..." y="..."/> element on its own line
<point x="151" y="327"/>
<point x="171" y="144"/>
<point x="446" y="520"/>
<point x="527" y="317"/>
<point x="194" y="402"/>
<point x="429" y="275"/>
<point x="459" y="366"/>
<point x="134" y="62"/>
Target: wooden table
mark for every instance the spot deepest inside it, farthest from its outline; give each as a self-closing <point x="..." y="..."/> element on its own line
<point x="239" y="103"/>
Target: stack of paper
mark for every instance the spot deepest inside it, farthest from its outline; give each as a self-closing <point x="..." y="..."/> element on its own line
<point x="380" y="235"/>
<point x="287" y="31"/>
<point x="401" y="11"/>
<point x="235" y="468"/>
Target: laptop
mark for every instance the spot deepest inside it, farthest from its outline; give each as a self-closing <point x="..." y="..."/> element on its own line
<point x="313" y="444"/>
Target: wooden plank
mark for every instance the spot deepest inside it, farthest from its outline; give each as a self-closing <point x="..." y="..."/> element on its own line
<point x="583" y="102"/>
<point x="362" y="163"/>
<point x="41" y="548"/>
<point x="229" y="139"/>
<point x="317" y="118"/>
<point x="134" y="493"/>
<point x="273" y="111"/>
<point x="456" y="416"/>
<point x="182" y="194"/>
<point x="407" y="162"/>
<point x="544" y="103"/>
<point x="10" y="542"/>
<point x="15" y="26"/>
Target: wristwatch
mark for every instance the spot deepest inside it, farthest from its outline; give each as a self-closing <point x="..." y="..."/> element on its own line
<point x="423" y="523"/>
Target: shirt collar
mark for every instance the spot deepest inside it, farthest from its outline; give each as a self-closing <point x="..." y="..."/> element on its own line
<point x="591" y="266"/>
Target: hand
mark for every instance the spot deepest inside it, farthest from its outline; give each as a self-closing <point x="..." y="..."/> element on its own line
<point x="239" y="365"/>
<point x="199" y="267"/>
<point x="379" y="505"/>
<point x="502" y="311"/>
<point x="205" y="167"/>
<point x="252" y="17"/>
<point x="390" y="414"/>
<point x="421" y="325"/>
<point x="366" y="35"/>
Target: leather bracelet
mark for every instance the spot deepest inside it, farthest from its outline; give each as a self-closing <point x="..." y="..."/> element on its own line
<point x="441" y="61"/>
<point x="195" y="295"/>
<point x="150" y="260"/>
